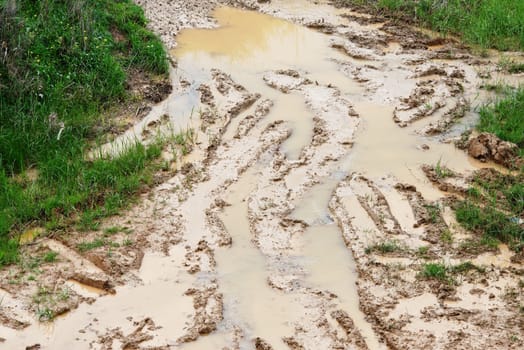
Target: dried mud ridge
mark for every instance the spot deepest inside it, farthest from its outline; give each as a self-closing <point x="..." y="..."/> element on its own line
<point x="388" y="226"/>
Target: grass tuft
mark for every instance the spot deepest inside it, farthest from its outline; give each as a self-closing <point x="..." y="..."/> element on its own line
<point x="434" y="271"/>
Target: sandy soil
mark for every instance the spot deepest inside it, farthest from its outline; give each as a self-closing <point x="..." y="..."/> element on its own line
<point x="306" y="209"/>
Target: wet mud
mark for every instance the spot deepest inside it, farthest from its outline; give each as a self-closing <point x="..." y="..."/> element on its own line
<point x="302" y="207"/>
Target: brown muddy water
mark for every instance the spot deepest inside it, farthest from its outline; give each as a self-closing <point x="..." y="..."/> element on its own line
<point x="247" y="45"/>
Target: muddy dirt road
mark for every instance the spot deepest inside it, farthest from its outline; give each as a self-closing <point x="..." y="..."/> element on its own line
<point x="303" y="214"/>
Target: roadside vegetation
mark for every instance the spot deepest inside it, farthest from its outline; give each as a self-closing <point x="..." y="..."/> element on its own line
<point x="62" y="65"/>
<point x="495" y="24"/>
<point x="494" y="204"/>
<point x="493" y="207"/>
<point x="505" y="118"/>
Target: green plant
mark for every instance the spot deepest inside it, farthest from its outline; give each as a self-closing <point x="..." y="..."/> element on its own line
<point x="64" y="294"/>
<point x="465" y="267"/>
<point x="434" y="271"/>
<point x="446" y="236"/>
<point x="45" y="314"/>
<point x="511" y="66"/>
<point x="433" y="211"/>
<point x="423" y="252"/>
<point x="442" y="171"/>
<point x="50" y="257"/>
<point x="113" y="230"/>
<point x="489" y="222"/>
<point x="86" y="246"/>
<point x="384" y="247"/>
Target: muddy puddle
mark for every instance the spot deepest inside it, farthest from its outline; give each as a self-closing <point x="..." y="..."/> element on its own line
<point x="250" y="303"/>
<point x="160" y="280"/>
<point x="381" y="148"/>
<point x="302" y="138"/>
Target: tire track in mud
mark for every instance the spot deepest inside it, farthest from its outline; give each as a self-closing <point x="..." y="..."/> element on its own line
<point x="238" y="249"/>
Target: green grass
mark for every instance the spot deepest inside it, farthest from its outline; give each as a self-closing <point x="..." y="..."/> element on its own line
<point x="466" y="267"/>
<point x="446" y="236"/>
<point x="384" y="247"/>
<point x="441" y="272"/>
<point x="63" y="63"/>
<point x="488" y="220"/>
<point x="434" y="271"/>
<point x="433" y="211"/>
<point x="494" y="206"/>
<point x="488" y="23"/>
<point x="505" y="118"/>
<point x="442" y="171"/>
<point x="511" y="66"/>
<point x="50" y="257"/>
<point x="86" y="246"/>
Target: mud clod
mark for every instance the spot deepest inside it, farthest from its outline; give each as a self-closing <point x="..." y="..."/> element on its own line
<point x="352" y="332"/>
<point x="489" y="147"/>
<point x="260" y="344"/>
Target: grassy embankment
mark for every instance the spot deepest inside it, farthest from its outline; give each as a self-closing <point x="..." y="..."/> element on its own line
<point x="494" y="208"/>
<point x="61" y="68"/>
<point x="495" y="24"/>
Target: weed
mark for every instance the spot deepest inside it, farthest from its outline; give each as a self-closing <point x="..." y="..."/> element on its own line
<point x="476" y="246"/>
<point x="41" y="295"/>
<point x="64" y="294"/>
<point x="498" y="88"/>
<point x="50" y="257"/>
<point x="30" y="263"/>
<point x="423" y="252"/>
<point x="511" y="66"/>
<point x="384" y="247"/>
<point x="86" y="246"/>
<point x="465" y="267"/>
<point x="446" y="236"/>
<point x="489" y="242"/>
<point x="474" y="192"/>
<point x="44" y="314"/>
<point x="113" y="230"/>
<point x="434" y="271"/>
<point x="433" y="211"/>
<point x="442" y="171"/>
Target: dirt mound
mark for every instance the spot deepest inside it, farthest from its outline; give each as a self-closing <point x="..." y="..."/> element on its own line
<point x="487" y="146"/>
